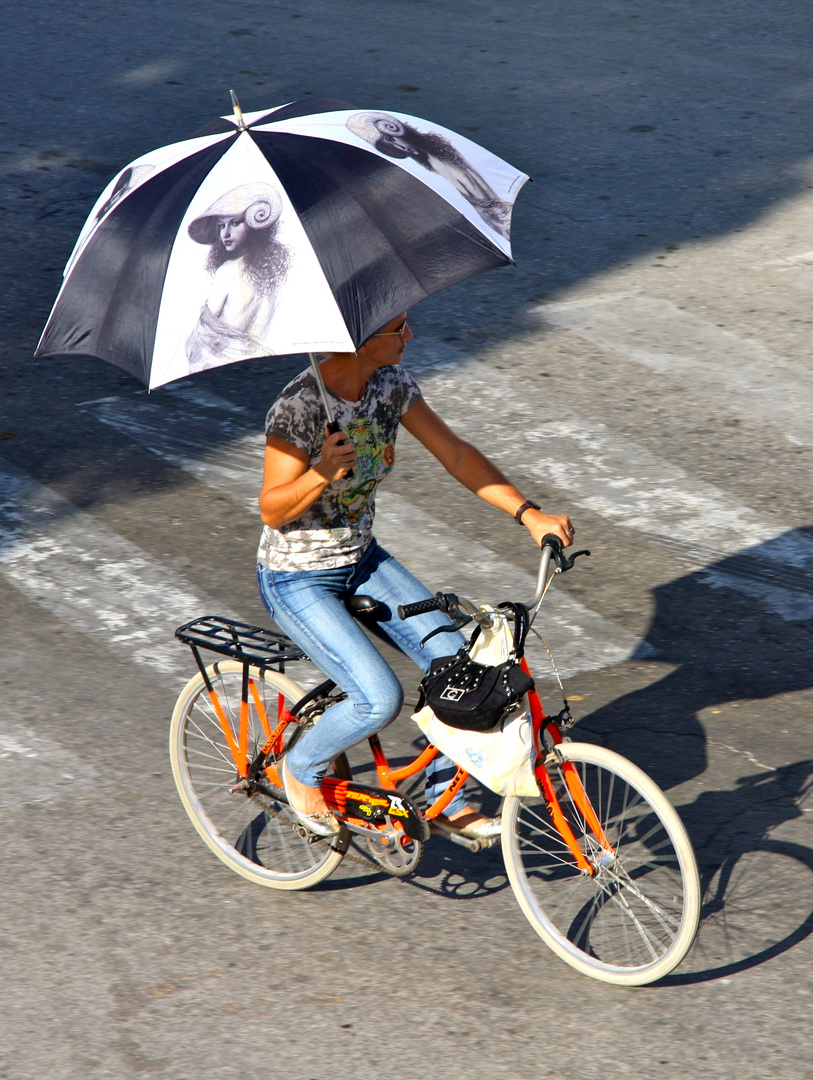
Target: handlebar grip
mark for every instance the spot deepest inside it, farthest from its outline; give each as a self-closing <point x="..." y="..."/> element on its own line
<point x="407" y="611"/>
<point x="552" y="541"/>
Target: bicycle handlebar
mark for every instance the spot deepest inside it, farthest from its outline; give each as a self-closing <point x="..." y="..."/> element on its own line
<point x="420" y="607"/>
<point x="551" y="551"/>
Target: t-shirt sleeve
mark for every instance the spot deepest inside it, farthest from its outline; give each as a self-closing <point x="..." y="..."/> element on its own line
<point x="294" y="418"/>
<point x="410" y="391"/>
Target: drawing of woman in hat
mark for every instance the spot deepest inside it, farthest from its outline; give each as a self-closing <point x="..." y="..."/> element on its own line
<point x="398" y="139"/>
<point x="247" y="264"/>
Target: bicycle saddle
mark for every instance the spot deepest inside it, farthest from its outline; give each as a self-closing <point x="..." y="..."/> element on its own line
<point x="364" y="605"/>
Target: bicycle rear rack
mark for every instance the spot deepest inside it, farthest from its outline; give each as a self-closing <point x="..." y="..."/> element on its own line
<point x="248" y="644"/>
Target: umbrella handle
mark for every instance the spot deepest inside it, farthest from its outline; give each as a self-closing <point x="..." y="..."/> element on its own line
<point x="332" y="427"/>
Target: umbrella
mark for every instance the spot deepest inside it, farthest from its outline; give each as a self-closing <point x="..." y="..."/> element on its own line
<point x="303" y="228"/>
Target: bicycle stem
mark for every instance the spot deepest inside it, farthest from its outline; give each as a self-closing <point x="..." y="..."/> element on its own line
<point x="541" y="582"/>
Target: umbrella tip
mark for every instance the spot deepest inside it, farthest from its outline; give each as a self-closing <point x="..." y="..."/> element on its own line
<point x="238" y="112"/>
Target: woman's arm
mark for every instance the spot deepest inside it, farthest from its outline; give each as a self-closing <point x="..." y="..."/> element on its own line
<point x="289" y="486"/>
<point x="473" y="469"/>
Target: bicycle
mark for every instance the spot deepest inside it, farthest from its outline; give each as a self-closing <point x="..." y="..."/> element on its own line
<point x="599" y="861"/>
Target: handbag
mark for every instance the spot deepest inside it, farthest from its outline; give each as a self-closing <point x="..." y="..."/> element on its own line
<point x="503" y="759"/>
<point x="478" y="697"/>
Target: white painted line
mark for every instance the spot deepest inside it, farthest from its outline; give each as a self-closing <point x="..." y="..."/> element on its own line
<point x="580" y="639"/>
<point x="234" y="468"/>
<point x="623" y="482"/>
<point x="91" y="578"/>
<point x="704" y="526"/>
<point x="445" y="559"/>
<point x="34" y="769"/>
<point x="750" y="378"/>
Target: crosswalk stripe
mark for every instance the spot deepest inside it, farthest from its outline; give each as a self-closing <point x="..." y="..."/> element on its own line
<point x="435" y="552"/>
<point x="658" y="334"/>
<point x="442" y="557"/>
<point x="702" y="525"/>
<point x="34" y="769"/>
<point x="92" y="579"/>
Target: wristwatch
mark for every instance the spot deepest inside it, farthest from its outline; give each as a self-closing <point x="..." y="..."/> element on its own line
<point x="527" y="505"/>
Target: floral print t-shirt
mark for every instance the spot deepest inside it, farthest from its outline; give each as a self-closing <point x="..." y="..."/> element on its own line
<point x="336" y="529"/>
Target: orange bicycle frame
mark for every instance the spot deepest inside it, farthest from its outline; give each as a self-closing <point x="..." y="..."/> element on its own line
<point x="572" y="779"/>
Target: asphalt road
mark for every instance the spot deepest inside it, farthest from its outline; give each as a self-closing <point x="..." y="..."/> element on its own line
<point x="645" y="367"/>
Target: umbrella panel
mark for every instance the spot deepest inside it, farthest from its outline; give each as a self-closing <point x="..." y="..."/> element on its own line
<point x="383" y="238"/>
<point x="109" y="304"/>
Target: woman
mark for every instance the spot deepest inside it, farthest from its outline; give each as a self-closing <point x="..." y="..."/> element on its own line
<point x="317" y="505"/>
<point x="398" y="139"/>
<point x="248" y="265"/>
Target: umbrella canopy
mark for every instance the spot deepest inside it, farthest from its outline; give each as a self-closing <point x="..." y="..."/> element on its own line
<point x="301" y="229"/>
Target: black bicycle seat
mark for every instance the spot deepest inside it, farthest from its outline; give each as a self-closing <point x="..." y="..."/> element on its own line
<point x="366" y="606"/>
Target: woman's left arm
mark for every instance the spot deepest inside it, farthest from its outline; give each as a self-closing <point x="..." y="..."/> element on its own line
<point x="473" y="469"/>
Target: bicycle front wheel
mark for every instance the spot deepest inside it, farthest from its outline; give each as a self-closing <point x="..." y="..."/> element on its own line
<point x="633" y="917"/>
<point x="252" y="831"/>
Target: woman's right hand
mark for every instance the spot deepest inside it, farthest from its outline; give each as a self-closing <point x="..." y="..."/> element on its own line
<point x="338" y="457"/>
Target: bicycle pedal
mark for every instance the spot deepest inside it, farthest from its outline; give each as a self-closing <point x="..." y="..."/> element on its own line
<point x="470" y="843"/>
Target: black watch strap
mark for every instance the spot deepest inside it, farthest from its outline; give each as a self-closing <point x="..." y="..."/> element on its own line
<point x="527" y="505"/>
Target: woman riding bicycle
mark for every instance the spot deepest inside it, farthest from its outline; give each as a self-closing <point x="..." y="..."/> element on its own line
<point x="317" y="504"/>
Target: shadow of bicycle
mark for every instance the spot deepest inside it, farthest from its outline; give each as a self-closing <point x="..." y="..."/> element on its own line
<point x="445" y="869"/>
<point x="757" y="888"/>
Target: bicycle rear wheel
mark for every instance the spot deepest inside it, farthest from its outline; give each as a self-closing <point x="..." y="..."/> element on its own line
<point x="634" y="918"/>
<point x="253" y="833"/>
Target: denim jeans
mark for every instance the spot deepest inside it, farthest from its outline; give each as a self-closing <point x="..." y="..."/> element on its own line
<point x="308" y="606"/>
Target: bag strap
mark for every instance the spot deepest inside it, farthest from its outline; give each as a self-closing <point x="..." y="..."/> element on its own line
<point x="474" y="636"/>
<point x="522" y="624"/>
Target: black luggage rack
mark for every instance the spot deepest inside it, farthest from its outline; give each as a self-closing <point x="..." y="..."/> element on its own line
<point x="240" y="641"/>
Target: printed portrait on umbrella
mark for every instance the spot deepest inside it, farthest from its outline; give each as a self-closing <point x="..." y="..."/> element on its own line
<point x="122" y="185"/>
<point x="248" y="265"/>
<point x="398" y="139"/>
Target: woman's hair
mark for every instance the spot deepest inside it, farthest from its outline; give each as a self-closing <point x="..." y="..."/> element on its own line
<point x="425" y="144"/>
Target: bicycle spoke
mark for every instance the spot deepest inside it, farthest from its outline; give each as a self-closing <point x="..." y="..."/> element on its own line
<point x="248" y="830"/>
<point x="633" y="918"/>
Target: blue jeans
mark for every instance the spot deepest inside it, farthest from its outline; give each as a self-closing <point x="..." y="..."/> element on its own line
<point x="308" y="606"/>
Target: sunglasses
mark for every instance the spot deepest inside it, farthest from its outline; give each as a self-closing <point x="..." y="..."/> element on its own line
<point x="395" y="333"/>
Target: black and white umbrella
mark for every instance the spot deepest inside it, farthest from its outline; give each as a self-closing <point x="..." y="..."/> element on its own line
<point x="301" y="229"/>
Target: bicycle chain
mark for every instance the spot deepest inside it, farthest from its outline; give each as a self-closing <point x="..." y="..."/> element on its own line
<point x="365" y="861"/>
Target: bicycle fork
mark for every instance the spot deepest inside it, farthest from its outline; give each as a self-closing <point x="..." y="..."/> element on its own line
<point x="574" y="784"/>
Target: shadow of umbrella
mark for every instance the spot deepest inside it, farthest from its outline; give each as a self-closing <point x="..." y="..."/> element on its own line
<point x="724" y="647"/>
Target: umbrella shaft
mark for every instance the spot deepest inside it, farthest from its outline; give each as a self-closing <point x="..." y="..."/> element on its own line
<point x="320" y="382"/>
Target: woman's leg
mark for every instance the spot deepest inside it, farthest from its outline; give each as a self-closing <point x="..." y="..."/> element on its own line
<point x="391" y="584"/>
<point x="309" y="607"/>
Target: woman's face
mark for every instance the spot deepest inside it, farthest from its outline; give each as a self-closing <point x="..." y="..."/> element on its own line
<point x="387" y="346"/>
<point x="399" y="142"/>
<point x="232" y="232"/>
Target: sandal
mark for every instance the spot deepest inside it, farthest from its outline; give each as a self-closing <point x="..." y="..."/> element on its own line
<point x="320" y="824"/>
<point x="484" y="829"/>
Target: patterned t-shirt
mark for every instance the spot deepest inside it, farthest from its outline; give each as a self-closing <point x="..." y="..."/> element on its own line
<point x="336" y="528"/>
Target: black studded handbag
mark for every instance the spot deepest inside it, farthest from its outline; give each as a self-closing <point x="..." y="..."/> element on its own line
<point x="478" y="697"/>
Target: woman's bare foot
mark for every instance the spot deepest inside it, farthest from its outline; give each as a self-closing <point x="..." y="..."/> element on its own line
<point x="303" y="798"/>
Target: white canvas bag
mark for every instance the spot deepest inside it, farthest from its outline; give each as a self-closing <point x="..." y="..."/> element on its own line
<point x="502" y="759"/>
